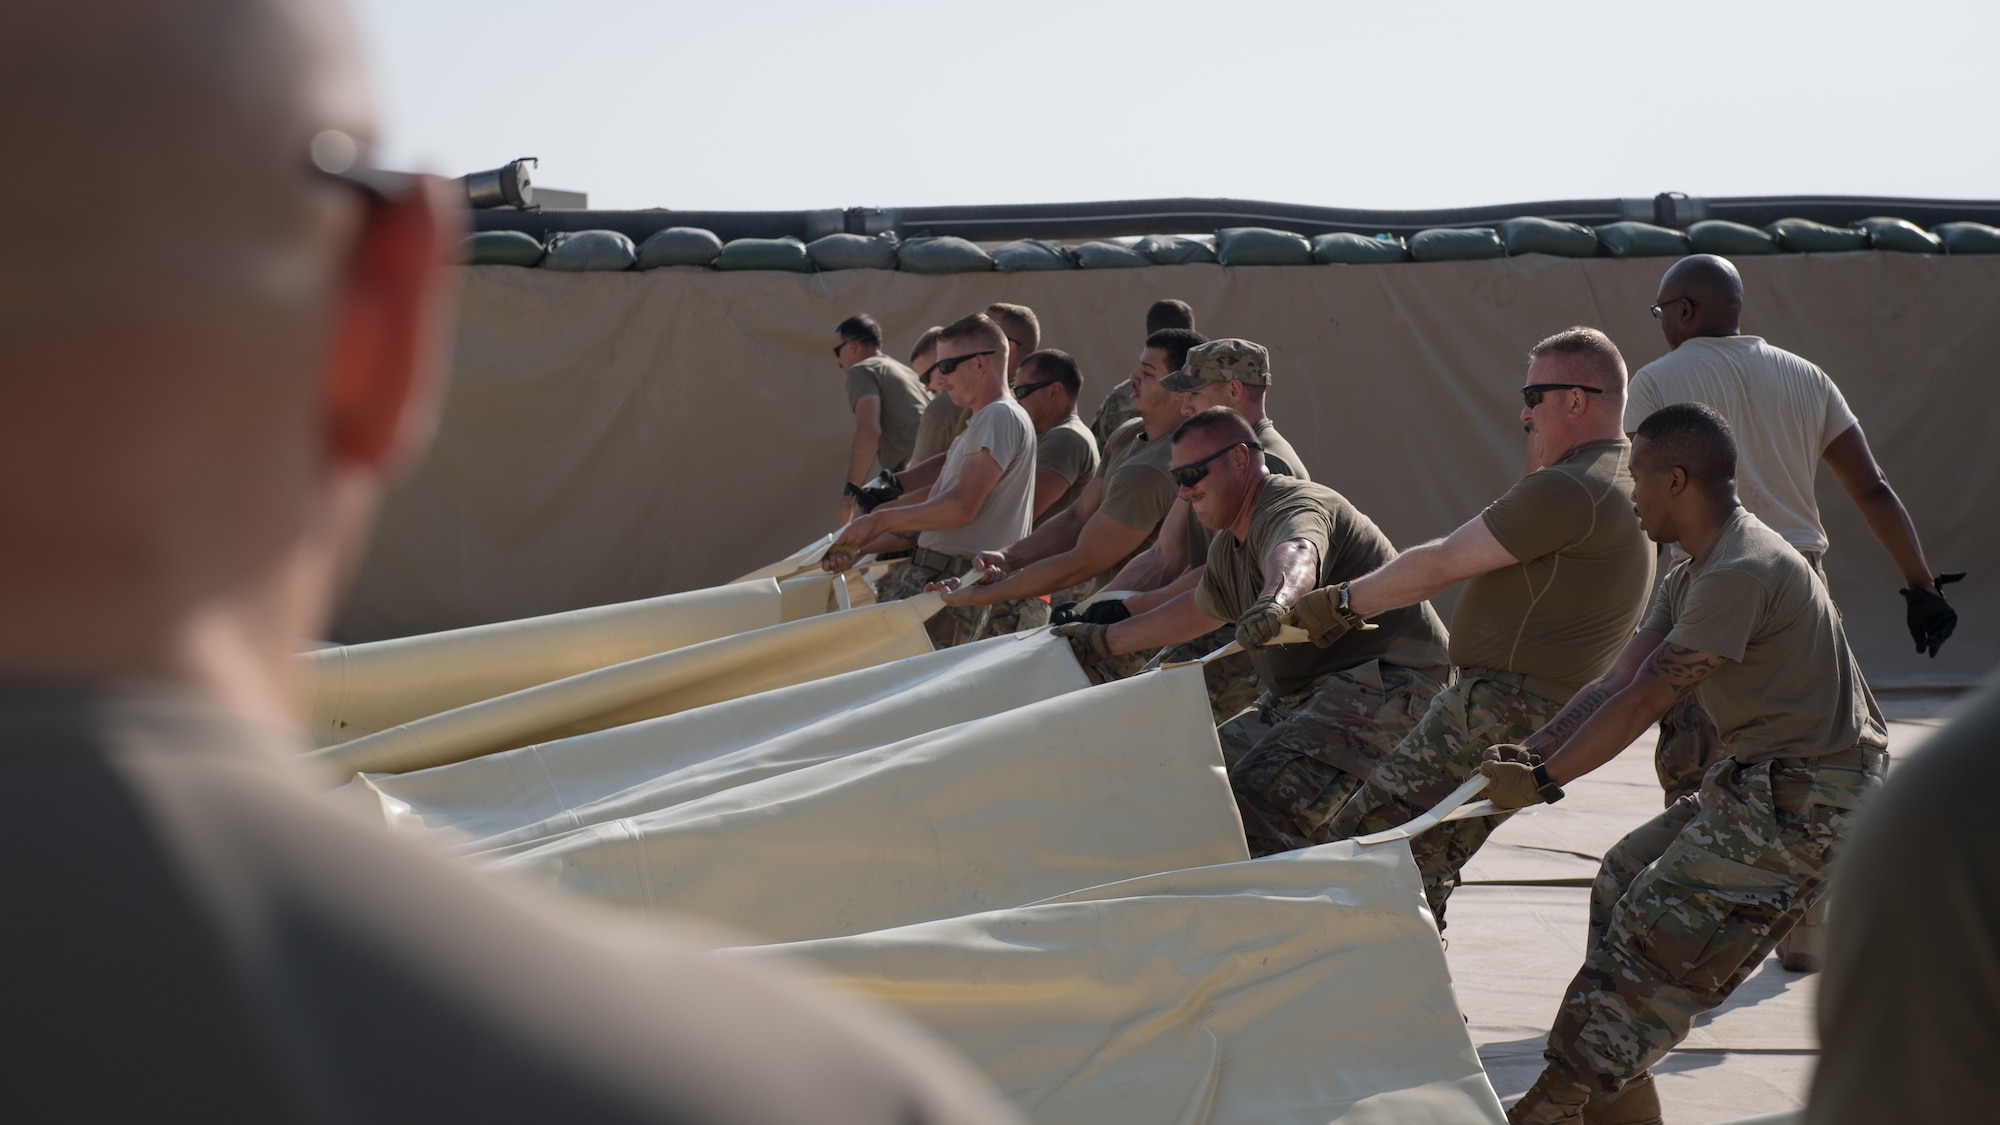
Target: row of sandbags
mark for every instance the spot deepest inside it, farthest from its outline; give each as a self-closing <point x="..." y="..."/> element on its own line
<point x="604" y="250"/>
<point x="1050" y="876"/>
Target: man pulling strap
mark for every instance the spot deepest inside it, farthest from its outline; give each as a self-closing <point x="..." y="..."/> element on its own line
<point x="1557" y="578"/>
<point x="1336" y="709"/>
<point x="1687" y="906"/>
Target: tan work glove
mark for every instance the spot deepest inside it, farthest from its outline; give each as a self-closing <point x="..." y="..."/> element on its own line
<point x="1318" y="613"/>
<point x="1091" y="643"/>
<point x="1510" y="776"/>
<point x="1256" y="628"/>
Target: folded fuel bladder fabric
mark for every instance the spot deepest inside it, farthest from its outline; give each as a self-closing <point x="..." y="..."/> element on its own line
<point x="1299" y="989"/>
<point x="810" y="595"/>
<point x="1088" y="787"/>
<point x="358" y="690"/>
<point x="507" y="799"/>
<point x="663" y="684"/>
<point x="791" y="565"/>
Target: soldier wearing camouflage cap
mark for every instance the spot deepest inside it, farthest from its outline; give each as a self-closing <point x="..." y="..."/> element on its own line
<point x="1237" y="374"/>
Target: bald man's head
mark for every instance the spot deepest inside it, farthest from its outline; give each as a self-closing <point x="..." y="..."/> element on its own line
<point x="1701" y="295"/>
<point x="214" y="350"/>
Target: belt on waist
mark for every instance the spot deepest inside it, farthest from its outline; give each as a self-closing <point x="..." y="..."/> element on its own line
<point x="1552" y="690"/>
<point x="1866" y="758"/>
<point x="940" y="562"/>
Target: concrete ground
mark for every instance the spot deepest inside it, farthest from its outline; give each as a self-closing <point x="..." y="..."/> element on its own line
<point x="1517" y="933"/>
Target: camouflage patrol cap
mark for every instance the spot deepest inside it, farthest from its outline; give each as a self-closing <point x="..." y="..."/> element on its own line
<point x="1219" y="361"/>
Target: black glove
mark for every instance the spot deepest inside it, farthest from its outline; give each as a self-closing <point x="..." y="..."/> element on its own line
<point x="885" y="487"/>
<point x="1097" y="613"/>
<point x="1930" y="617"/>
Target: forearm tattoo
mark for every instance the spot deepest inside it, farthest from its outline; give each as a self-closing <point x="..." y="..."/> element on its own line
<point x="1579" y="709"/>
<point x="1682" y="668"/>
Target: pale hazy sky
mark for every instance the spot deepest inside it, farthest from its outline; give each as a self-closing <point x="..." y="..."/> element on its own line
<point x="757" y="105"/>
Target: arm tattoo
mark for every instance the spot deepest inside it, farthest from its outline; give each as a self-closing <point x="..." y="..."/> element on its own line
<point x="1683" y="668"/>
<point x="1575" y="712"/>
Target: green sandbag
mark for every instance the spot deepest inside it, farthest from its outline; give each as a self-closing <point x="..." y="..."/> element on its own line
<point x="678" y="246"/>
<point x="1803" y="236"/>
<point x="589" y="251"/>
<point x="942" y="255"/>
<point x="1900" y="235"/>
<point x="1109" y="256"/>
<point x="1174" y="249"/>
<point x="1720" y="236"/>
<point x="853" y="252"/>
<point x="1641" y="240"/>
<point x="501" y="248"/>
<point x="1030" y="254"/>
<point x="1547" y="236"/>
<point x="764" y="254"/>
<point x="1261" y="246"/>
<point x="1456" y="244"/>
<point x="1344" y="248"/>
<point x="1968" y="238"/>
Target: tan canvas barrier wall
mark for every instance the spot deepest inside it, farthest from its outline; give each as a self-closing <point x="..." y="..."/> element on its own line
<point x="619" y="436"/>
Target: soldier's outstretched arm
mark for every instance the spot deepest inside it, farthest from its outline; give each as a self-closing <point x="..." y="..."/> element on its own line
<point x="1668" y="672"/>
<point x="1429" y="569"/>
<point x="1172" y="623"/>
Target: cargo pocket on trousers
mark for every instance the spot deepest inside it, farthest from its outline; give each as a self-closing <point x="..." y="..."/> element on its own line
<point x="1700" y="919"/>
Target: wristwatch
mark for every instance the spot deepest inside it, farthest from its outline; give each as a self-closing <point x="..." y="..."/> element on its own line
<point x="1346" y="612"/>
<point x="1546" y="785"/>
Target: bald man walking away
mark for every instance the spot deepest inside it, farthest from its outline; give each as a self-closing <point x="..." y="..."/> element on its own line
<point x="1788" y="417"/>
<point x="1117" y="408"/>
<point x="208" y="382"/>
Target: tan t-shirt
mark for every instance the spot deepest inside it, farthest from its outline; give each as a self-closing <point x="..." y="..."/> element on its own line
<point x="1137" y="489"/>
<point x="1783" y="410"/>
<point x="942" y="421"/>
<point x="1002" y="428"/>
<point x="903" y="401"/>
<point x="1791" y="688"/>
<point x="1349" y="546"/>
<point x="1068" y="450"/>
<point x="1563" y="612"/>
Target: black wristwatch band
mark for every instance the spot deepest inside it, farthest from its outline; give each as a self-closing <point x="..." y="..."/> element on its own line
<point x="1546" y="785"/>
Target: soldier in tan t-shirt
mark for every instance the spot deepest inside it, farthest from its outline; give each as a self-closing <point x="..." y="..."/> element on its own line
<point x="1688" y="905"/>
<point x="1335" y="709"/>
<point x="1113" y="517"/>
<point x="887" y="398"/>
<point x="1556" y="577"/>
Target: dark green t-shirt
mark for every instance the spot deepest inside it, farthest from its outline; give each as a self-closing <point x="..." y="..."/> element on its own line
<point x="903" y="399"/>
<point x="1067" y="450"/>
<point x="1349" y="546"/>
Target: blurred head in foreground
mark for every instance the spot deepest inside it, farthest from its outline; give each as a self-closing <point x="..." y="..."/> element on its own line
<point x="219" y="334"/>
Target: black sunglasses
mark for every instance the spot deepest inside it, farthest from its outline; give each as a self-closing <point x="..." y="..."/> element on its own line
<point x="1191" y="474"/>
<point x="339" y="157"/>
<point x="1026" y="389"/>
<point x="1692" y="303"/>
<point x="947" y="366"/>
<point x="1532" y="393"/>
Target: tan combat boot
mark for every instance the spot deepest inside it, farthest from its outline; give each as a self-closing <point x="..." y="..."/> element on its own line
<point x="1552" y="1100"/>
<point x="1637" y="1104"/>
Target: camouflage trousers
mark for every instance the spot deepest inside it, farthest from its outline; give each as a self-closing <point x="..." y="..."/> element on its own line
<point x="1685" y="908"/>
<point x="960" y="624"/>
<point x="1435" y="758"/>
<point x="1317" y="747"/>
<point x="1689" y="746"/>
